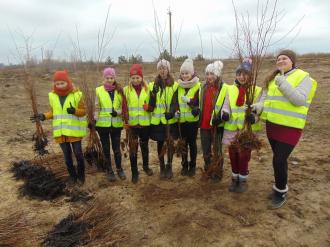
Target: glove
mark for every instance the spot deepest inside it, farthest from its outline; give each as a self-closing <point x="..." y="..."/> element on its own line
<point x="257" y="107"/>
<point x="146" y="106"/>
<point x="225" y="116"/>
<point x="91" y="124"/>
<point x="126" y="126"/>
<point x="169" y="115"/>
<point x="155" y="89"/>
<point x="177" y="114"/>
<point x="251" y="118"/>
<point x="37" y="117"/>
<point x="185" y="99"/>
<point x="114" y="113"/>
<point x="71" y="109"/>
<point x="216" y="120"/>
<point x="279" y="80"/>
<point x="195" y="112"/>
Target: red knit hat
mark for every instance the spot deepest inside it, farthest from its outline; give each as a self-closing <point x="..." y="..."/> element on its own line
<point x="136" y="69"/>
<point x="61" y="75"/>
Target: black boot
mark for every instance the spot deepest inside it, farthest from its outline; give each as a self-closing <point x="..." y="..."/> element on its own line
<point x="162" y="171"/>
<point x="169" y="172"/>
<point x="110" y="174"/>
<point x="278" y="199"/>
<point x="184" y="170"/>
<point x="234" y="184"/>
<point x="135" y="178"/>
<point x="121" y="174"/>
<point x="134" y="169"/>
<point x="242" y="186"/>
<point x="148" y="170"/>
<point x="192" y="169"/>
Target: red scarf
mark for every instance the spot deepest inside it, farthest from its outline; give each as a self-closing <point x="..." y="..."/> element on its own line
<point x="241" y="95"/>
<point x="63" y="91"/>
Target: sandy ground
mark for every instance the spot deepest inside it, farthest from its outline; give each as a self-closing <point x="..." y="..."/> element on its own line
<point x="184" y="211"/>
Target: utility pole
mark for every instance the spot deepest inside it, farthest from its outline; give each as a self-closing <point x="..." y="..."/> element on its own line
<point x="170" y="19"/>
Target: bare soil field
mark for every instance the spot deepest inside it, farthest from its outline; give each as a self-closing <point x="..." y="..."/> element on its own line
<point x="183" y="211"/>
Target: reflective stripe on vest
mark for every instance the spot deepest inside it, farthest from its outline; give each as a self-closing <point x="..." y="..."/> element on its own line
<point x="106" y="105"/>
<point x="136" y="114"/>
<point x="219" y="103"/>
<point x="65" y="124"/>
<point x="279" y="110"/>
<point x="185" y="109"/>
<point x="163" y="103"/>
<point x="237" y="116"/>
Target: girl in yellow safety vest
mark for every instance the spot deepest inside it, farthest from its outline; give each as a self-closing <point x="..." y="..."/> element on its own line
<point x="137" y="98"/>
<point x="185" y="107"/>
<point x="161" y="93"/>
<point x="285" y="103"/>
<point x="212" y="90"/>
<point x="233" y="114"/>
<point x="67" y="109"/>
<point x="111" y="106"/>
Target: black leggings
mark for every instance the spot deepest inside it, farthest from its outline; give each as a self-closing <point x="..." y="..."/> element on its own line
<point x="140" y="135"/>
<point x="281" y="153"/>
<point x="77" y="150"/>
<point x="189" y="134"/>
<point x="107" y="133"/>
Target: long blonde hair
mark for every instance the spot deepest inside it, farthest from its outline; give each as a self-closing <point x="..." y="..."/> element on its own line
<point x="270" y="77"/>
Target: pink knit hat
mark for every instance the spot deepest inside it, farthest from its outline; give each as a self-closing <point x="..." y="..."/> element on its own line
<point x="109" y="72"/>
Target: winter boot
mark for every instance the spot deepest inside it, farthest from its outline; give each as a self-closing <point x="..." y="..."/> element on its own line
<point x="242" y="186"/>
<point x="121" y="174"/>
<point x="279" y="197"/>
<point x="169" y="172"/>
<point x="234" y="184"/>
<point x="162" y="171"/>
<point x="184" y="170"/>
<point x="134" y="168"/>
<point x="148" y="170"/>
<point x="192" y="169"/>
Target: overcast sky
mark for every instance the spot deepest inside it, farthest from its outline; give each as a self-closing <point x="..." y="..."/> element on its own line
<point x="53" y="24"/>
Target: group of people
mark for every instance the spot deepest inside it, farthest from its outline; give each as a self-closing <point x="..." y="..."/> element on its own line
<point x="175" y="109"/>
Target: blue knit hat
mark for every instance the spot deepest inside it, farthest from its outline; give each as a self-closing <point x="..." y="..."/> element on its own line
<point x="245" y="66"/>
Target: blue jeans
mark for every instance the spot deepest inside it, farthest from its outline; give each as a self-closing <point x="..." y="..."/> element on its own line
<point x="77" y="150"/>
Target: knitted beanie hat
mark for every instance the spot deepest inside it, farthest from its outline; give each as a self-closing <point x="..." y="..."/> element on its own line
<point x="215" y="68"/>
<point x="187" y="66"/>
<point x="109" y="72"/>
<point x="245" y="66"/>
<point x="136" y="69"/>
<point x="164" y="63"/>
<point x="290" y="54"/>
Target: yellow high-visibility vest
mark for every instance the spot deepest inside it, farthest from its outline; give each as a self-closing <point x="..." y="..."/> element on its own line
<point x="237" y="116"/>
<point x="163" y="103"/>
<point x="185" y="110"/>
<point x="219" y="103"/>
<point x="63" y="123"/>
<point x="106" y="105"/>
<point x="136" y="114"/>
<point x="277" y="108"/>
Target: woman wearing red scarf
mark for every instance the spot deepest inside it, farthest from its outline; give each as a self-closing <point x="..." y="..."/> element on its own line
<point x="67" y="109"/>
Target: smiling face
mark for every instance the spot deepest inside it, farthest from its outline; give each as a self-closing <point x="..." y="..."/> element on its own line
<point x="163" y="72"/>
<point x="284" y="63"/>
<point x="136" y="80"/>
<point x="109" y="79"/>
<point x="211" y="77"/>
<point x="186" y="76"/>
<point x="60" y="84"/>
<point x="243" y="77"/>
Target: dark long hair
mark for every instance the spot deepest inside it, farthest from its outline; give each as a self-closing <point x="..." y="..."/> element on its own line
<point x="168" y="82"/>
